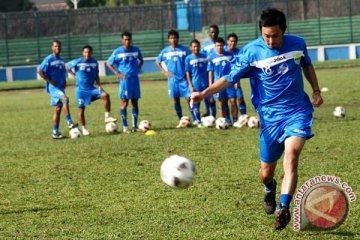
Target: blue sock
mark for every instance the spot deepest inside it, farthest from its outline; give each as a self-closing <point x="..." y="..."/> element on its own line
<point x="285" y="200"/>
<point x="207" y="107"/>
<point x="242" y="108"/>
<point x="68" y="119"/>
<point x="178" y="110"/>
<point x="191" y="110"/>
<point x="123" y="116"/>
<point x="227" y="114"/>
<point x="213" y="109"/>
<point x="55" y="128"/>
<point x="270" y="186"/>
<point x="196" y="112"/>
<point x="235" y="119"/>
<point x="135" y="113"/>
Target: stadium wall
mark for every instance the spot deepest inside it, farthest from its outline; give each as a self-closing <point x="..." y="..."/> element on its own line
<point x="317" y="54"/>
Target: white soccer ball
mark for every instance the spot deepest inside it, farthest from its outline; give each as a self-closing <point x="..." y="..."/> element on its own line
<point x="74" y="133"/>
<point x="111" y="127"/>
<point x="208" y="121"/>
<point x="253" y="122"/>
<point x="144" y="125"/>
<point x="242" y="121"/>
<point x="177" y="171"/>
<point x="339" y="112"/>
<point x="221" y="123"/>
<point x="184" y="122"/>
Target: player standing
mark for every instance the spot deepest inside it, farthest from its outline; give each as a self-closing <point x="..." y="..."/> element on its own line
<point x="218" y="66"/>
<point x="52" y="70"/>
<point x="197" y="76"/>
<point x="125" y="62"/>
<point x="275" y="63"/>
<point x="231" y="46"/>
<point x="86" y="72"/>
<point x="174" y="58"/>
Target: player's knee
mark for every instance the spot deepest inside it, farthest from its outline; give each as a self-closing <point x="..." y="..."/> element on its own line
<point x="65" y="100"/>
<point x="57" y="109"/>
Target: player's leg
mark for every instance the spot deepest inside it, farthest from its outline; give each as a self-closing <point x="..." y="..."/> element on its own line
<point x="212" y="104"/>
<point x="123" y="114"/>
<point x="56" y="122"/>
<point x="234" y="109"/>
<point x="177" y="107"/>
<point x="135" y="114"/>
<point x="266" y="175"/>
<point x="105" y="97"/>
<point x="66" y="110"/>
<point x="241" y="100"/>
<point x="83" y="99"/>
<point x="82" y="122"/>
<point x="191" y="110"/>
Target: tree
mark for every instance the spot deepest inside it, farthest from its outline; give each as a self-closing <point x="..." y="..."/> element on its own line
<point x="16" y="5"/>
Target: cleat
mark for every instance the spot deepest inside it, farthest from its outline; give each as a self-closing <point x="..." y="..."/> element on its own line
<point x="201" y="125"/>
<point x="72" y="125"/>
<point x="135" y="129"/>
<point x="282" y="218"/>
<point x="195" y="123"/>
<point x="126" y="130"/>
<point x="57" y="135"/>
<point x="269" y="203"/>
<point x="85" y="131"/>
<point x="110" y="119"/>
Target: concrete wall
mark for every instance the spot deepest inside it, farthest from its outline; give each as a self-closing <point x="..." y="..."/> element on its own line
<point x="317" y="54"/>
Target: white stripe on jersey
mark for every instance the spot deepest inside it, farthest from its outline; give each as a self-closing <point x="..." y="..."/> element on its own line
<point x="194" y="61"/>
<point x="129" y="54"/>
<point x="270" y="62"/>
<point x="174" y="53"/>
<point x="56" y="62"/>
<point x="222" y="58"/>
<point x="87" y="64"/>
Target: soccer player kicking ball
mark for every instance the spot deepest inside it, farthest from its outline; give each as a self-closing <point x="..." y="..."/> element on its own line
<point x="197" y="76"/>
<point x="86" y="72"/>
<point x="52" y="70"/>
<point x="275" y="62"/>
<point x="125" y="62"/>
<point x="174" y="58"/>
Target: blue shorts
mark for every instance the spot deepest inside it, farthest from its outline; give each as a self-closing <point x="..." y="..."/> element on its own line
<point x="85" y="97"/>
<point x="129" y="88"/>
<point x="178" y="88"/>
<point x="239" y="92"/>
<point x="228" y="93"/>
<point x="272" y="137"/>
<point x="56" y="94"/>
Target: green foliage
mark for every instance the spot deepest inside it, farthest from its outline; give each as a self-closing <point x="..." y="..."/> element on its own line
<point x="16" y="5"/>
<point x="108" y="186"/>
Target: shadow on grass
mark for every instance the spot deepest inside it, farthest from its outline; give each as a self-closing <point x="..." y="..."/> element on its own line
<point x="352" y="235"/>
<point x="35" y="209"/>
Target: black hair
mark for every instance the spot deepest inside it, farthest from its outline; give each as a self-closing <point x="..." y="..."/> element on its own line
<point x="173" y="32"/>
<point x="87" y="46"/>
<point x="220" y="40"/>
<point x="126" y="34"/>
<point x="272" y="17"/>
<point x="232" y="35"/>
<point x="194" y="41"/>
<point x="214" y="26"/>
<point x="56" y="41"/>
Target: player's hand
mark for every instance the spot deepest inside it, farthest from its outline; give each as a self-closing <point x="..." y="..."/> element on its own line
<point x="317" y="99"/>
<point x="120" y="75"/>
<point x="167" y="74"/>
<point x="100" y="88"/>
<point x="236" y="85"/>
<point x="196" y="97"/>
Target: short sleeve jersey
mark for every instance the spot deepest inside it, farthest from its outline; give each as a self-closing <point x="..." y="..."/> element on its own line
<point x="219" y="64"/>
<point x="85" y="71"/>
<point x="197" y="67"/>
<point x="174" y="60"/>
<point x="208" y="47"/>
<point x="54" y="68"/>
<point x="276" y="76"/>
<point x="126" y="60"/>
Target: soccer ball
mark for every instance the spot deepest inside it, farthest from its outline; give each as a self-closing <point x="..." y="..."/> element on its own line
<point x="242" y="121"/>
<point x="184" y="122"/>
<point x="74" y="133"/>
<point x="177" y="171"/>
<point x="208" y="121"/>
<point x="253" y="122"/>
<point x="144" y="125"/>
<point x="221" y="123"/>
<point x="339" y="112"/>
<point x="111" y="127"/>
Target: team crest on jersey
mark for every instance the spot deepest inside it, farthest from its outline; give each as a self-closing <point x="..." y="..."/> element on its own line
<point x="283" y="68"/>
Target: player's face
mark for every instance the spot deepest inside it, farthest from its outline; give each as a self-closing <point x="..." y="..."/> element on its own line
<point x="86" y="54"/>
<point x="56" y="48"/>
<point x="219" y="47"/>
<point x="195" y="48"/>
<point x="126" y="41"/>
<point x="173" y="40"/>
<point x="213" y="33"/>
<point x="273" y="36"/>
<point x="231" y="42"/>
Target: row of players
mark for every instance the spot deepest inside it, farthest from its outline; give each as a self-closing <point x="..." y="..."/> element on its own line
<point x="186" y="72"/>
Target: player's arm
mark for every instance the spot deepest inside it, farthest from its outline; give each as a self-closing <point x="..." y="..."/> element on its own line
<point x="310" y="75"/>
<point x="140" y="63"/>
<point x="70" y="71"/>
<point x="211" y="77"/>
<point x="97" y="82"/>
<point x="216" y="87"/>
<point x="166" y="73"/>
<point x="43" y="76"/>
<point x="188" y="78"/>
<point x="115" y="71"/>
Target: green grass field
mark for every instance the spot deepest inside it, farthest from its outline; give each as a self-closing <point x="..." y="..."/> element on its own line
<point x="108" y="186"/>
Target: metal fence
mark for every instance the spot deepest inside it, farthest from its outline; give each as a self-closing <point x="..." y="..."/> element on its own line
<point x="25" y="37"/>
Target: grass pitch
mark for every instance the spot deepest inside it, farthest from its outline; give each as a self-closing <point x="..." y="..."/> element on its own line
<point x="108" y="186"/>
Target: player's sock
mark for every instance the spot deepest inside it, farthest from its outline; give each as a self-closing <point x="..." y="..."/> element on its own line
<point x="56" y="128"/>
<point x="235" y="119"/>
<point x="135" y="113"/>
<point x="107" y="114"/>
<point x="285" y="200"/>
<point x="270" y="186"/>
<point x="196" y="112"/>
<point x="213" y="109"/>
<point x="123" y="116"/>
<point x="207" y="107"/>
<point x="227" y="114"/>
<point x="68" y="119"/>
<point x="191" y="110"/>
<point x="242" y="108"/>
<point x="178" y="110"/>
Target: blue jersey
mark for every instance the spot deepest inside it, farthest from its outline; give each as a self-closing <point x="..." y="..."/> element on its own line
<point x="54" y="68"/>
<point x="86" y="72"/>
<point x="174" y="60"/>
<point x="208" y="47"/>
<point x="126" y="60"/>
<point x="197" y="67"/>
<point x="235" y="52"/>
<point x="219" y="64"/>
<point x="277" y="77"/>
